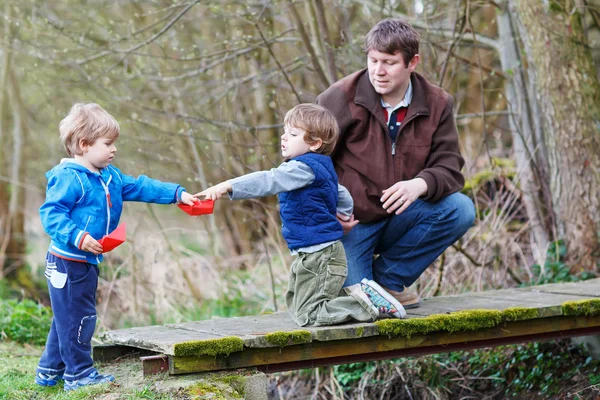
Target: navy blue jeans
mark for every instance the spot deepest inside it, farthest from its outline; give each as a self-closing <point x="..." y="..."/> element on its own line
<point x="407" y="243"/>
<point x="72" y="286"/>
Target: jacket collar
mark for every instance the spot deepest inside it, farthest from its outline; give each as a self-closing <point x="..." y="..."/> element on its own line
<point x="367" y="97"/>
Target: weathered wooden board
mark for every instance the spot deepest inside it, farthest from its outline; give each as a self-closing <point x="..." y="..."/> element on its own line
<point x="374" y="345"/>
<point x="156" y="338"/>
<point x="589" y="288"/>
<point x="253" y="330"/>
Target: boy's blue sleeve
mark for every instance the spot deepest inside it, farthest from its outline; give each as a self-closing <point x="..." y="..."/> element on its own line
<point x="62" y="193"/>
<point x="150" y="190"/>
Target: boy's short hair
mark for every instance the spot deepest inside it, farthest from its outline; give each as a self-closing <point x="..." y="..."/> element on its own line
<point x="87" y="121"/>
<point x="393" y="35"/>
<point x="318" y="123"/>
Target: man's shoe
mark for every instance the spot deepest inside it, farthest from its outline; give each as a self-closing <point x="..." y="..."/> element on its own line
<point x="382" y="300"/>
<point x="408" y="297"/>
<point x="47" y="379"/>
<point x="93" y="378"/>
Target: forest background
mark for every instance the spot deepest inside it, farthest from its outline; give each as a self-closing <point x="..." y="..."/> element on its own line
<point x="200" y="89"/>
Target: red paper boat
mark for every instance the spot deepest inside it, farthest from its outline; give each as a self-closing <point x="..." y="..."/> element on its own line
<point x="200" y="207"/>
<point x="113" y="239"/>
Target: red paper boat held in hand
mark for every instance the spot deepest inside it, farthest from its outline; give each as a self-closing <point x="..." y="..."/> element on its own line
<point x="113" y="239"/>
<point x="200" y="207"/>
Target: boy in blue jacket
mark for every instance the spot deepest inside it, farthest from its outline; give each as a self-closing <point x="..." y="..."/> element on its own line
<point x="84" y="200"/>
<point x="309" y="199"/>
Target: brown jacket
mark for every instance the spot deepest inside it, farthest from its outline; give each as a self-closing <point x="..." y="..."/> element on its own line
<point x="426" y="145"/>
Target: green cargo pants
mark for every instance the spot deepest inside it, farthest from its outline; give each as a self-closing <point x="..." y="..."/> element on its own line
<point x="315" y="296"/>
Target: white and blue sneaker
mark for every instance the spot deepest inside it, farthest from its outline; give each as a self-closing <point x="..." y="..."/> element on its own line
<point x="387" y="304"/>
<point x="47" y="379"/>
<point x="93" y="378"/>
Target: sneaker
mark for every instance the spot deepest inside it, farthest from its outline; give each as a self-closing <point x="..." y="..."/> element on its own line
<point x="47" y="379"/>
<point x="93" y="378"/>
<point x="408" y="297"/>
<point x="385" y="302"/>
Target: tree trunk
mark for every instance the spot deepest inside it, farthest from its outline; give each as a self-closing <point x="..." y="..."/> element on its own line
<point x="528" y="157"/>
<point x="569" y="96"/>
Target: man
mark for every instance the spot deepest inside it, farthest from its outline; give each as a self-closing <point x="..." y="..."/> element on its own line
<point x="398" y="156"/>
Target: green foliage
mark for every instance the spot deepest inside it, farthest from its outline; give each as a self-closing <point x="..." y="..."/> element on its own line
<point x="533" y="370"/>
<point x="555" y="270"/>
<point x="348" y="374"/>
<point x="24" y="321"/>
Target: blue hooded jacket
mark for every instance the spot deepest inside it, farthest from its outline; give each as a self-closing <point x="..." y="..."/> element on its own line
<point x="309" y="214"/>
<point x="80" y="202"/>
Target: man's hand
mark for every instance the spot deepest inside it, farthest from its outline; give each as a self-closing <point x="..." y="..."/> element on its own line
<point x="215" y="192"/>
<point x="90" y="244"/>
<point x="402" y="194"/>
<point x="187" y="198"/>
<point x="348" y="222"/>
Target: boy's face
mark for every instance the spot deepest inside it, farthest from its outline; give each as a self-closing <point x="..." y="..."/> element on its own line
<point x="292" y="142"/>
<point x="100" y="153"/>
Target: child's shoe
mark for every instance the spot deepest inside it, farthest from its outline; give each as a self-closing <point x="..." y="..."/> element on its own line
<point x="93" y="378"/>
<point x="385" y="302"/>
<point x="47" y="379"/>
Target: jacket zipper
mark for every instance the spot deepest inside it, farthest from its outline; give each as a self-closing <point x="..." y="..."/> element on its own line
<point x="108" y="202"/>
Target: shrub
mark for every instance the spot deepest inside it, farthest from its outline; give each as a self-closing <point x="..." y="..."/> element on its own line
<point x="24" y="321"/>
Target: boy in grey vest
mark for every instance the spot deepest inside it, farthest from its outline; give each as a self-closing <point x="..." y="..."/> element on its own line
<point x="310" y="198"/>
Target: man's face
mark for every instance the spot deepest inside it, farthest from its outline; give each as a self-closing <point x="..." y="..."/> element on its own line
<point x="389" y="75"/>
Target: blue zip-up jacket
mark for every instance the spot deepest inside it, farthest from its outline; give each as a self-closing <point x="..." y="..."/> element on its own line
<point x="80" y="202"/>
<point x="308" y="214"/>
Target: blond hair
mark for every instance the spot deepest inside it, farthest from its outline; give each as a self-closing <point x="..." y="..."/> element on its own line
<point x="87" y="122"/>
<point x="317" y="122"/>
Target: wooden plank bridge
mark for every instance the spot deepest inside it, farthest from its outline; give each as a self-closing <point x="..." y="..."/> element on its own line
<point x="273" y="342"/>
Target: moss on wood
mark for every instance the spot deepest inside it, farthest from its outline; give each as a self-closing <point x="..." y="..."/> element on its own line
<point x="283" y="339"/>
<point x="460" y="321"/>
<point x="520" y="314"/>
<point x="581" y="307"/>
<point x="211" y="347"/>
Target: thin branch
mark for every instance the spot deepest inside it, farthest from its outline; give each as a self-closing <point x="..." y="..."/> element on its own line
<point x="306" y="40"/>
<point x="285" y="75"/>
<point x="455" y="40"/>
<point x="145" y="42"/>
<point x="326" y="38"/>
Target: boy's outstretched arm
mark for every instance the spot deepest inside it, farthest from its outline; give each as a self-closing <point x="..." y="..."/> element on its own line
<point x="288" y="176"/>
<point x="215" y="192"/>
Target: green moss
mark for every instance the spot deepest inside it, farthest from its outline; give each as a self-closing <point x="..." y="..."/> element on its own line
<point x="283" y="339"/>
<point x="212" y="347"/>
<point x="581" y="307"/>
<point x="519" y="314"/>
<point x="468" y="320"/>
<point x="235" y="381"/>
<point x="212" y="390"/>
<point x="501" y="167"/>
<point x="360" y="331"/>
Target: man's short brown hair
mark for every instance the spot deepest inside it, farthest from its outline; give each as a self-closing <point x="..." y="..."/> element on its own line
<point x="391" y="36"/>
<point x="317" y="122"/>
<point x="87" y="122"/>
